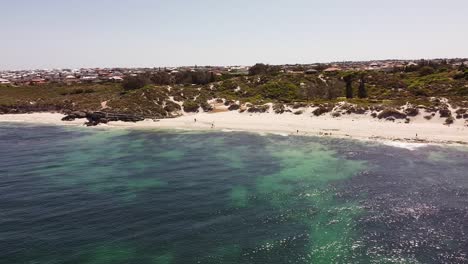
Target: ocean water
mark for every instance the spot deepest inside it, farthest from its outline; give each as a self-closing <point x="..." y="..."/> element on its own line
<point x="80" y="195"/>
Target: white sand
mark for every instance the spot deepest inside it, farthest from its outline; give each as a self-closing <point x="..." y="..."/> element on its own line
<point x="349" y="126"/>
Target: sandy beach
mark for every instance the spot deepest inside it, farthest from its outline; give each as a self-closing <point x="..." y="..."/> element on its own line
<point x="349" y="126"/>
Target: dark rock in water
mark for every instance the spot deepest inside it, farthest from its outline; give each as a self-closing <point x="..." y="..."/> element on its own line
<point x="68" y="118"/>
<point x="92" y="123"/>
<point x="74" y="115"/>
<point x="79" y="114"/>
<point x="391" y="113"/>
<point x="95" y="116"/>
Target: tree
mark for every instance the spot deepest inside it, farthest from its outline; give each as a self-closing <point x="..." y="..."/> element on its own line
<point x="348" y="78"/>
<point x="161" y="78"/>
<point x="362" y="91"/>
<point x="426" y="70"/>
<point x="134" y="82"/>
<point x="258" y="68"/>
<point x="261" y="68"/>
<point x="310" y="90"/>
<point x="462" y="67"/>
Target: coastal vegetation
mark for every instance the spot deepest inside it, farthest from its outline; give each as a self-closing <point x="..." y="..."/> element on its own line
<point x="164" y="95"/>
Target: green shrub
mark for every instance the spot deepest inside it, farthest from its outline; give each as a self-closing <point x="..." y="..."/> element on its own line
<point x="191" y="106"/>
<point x="281" y="90"/>
<point x="134" y="82"/>
<point x="426" y="70"/>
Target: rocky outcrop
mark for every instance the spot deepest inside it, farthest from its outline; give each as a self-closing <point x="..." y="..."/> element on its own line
<point x="411" y="111"/>
<point x="336" y="114"/>
<point x="278" y="108"/>
<point x="322" y="109"/>
<point x="258" y="109"/>
<point x="74" y="115"/>
<point x="234" y="107"/>
<point x="450" y="120"/>
<point x="444" y="112"/>
<point x="391" y="113"/>
<point x="354" y="109"/>
<point x="96" y="118"/>
<point x="299" y="105"/>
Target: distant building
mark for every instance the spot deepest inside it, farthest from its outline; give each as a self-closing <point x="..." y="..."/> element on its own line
<point x="37" y="81"/>
<point x="4" y="81"/>
<point x="70" y="79"/>
<point x="311" y="71"/>
<point x="332" y="69"/>
<point x="116" y="79"/>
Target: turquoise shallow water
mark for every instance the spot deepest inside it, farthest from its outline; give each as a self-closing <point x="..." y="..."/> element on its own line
<point x="70" y="195"/>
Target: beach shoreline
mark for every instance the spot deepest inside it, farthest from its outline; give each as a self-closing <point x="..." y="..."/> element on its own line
<point x="354" y="126"/>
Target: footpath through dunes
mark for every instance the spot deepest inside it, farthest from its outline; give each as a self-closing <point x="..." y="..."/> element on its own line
<point x="75" y="195"/>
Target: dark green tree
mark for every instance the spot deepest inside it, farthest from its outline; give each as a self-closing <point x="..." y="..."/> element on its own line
<point x="426" y="70"/>
<point x="261" y="68"/>
<point x="362" y="91"/>
<point x="348" y="79"/>
<point x="462" y="67"/>
<point x="134" y="82"/>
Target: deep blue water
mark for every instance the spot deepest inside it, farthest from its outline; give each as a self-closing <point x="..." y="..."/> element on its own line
<point x="79" y="195"/>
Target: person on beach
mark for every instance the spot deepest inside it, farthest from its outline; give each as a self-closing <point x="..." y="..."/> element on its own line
<point x="195" y="120"/>
<point x="212" y="125"/>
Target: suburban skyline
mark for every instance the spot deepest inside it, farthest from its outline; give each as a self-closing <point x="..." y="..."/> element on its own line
<point x="144" y="33"/>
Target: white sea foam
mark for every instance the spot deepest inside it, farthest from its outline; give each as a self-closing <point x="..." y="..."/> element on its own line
<point x="405" y="145"/>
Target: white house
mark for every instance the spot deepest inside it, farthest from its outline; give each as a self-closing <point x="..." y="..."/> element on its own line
<point x="4" y="81"/>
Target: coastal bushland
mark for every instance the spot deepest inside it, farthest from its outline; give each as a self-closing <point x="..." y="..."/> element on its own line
<point x="163" y="94"/>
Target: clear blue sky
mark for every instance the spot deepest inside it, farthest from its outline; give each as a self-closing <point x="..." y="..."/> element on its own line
<point x="147" y="33"/>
